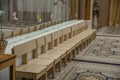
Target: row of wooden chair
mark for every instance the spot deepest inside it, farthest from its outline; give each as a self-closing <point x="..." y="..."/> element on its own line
<point x="21" y="31"/>
<point x="52" y="52"/>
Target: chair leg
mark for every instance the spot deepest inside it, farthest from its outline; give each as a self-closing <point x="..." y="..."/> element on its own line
<point x="46" y="76"/>
<point x="65" y="61"/>
<point x="53" y="72"/>
<point x="60" y="64"/>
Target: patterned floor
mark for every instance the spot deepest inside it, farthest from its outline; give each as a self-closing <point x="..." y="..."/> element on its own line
<point x="100" y="60"/>
<point x="109" y="31"/>
<point x="93" y="71"/>
<point x="103" y="49"/>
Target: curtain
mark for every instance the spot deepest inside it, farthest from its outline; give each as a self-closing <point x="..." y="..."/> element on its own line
<point x="28" y="9"/>
<point x="114" y="17"/>
<point x="87" y="10"/>
<point x="74" y="9"/>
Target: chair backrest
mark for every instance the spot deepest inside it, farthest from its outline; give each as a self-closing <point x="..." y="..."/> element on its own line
<point x="24" y="30"/>
<point x="31" y="28"/>
<point x="16" y="32"/>
<point x="48" y="40"/>
<point x="42" y="26"/>
<point x="74" y="30"/>
<point x="53" y="22"/>
<point x="49" y="23"/>
<point x="57" y="21"/>
<point x="24" y="49"/>
<point x="37" y="27"/>
<point x="60" y="20"/>
<point x="66" y="33"/>
<point x="81" y="27"/>
<point x="7" y="34"/>
<point x="41" y="44"/>
<point x="86" y="25"/>
<point x="57" y="37"/>
<point x="46" y="24"/>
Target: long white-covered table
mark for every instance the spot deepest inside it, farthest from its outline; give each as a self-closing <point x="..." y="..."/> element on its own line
<point x="4" y="74"/>
<point x="33" y="35"/>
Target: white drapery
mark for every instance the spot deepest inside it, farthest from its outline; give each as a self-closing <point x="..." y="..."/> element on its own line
<point x="45" y="8"/>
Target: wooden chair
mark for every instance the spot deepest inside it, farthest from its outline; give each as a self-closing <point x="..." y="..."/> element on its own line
<point x="86" y="25"/>
<point x="43" y="25"/>
<point x="60" y="20"/>
<point x="57" y="21"/>
<point x="46" y="24"/>
<point x="37" y="27"/>
<point x="16" y="32"/>
<point x="46" y="52"/>
<point x="64" y="43"/>
<point x="49" y="24"/>
<point x="7" y="34"/>
<point x="74" y="30"/>
<point x="56" y="37"/>
<point x="31" y="29"/>
<point x="82" y="26"/>
<point x="53" y="22"/>
<point x="29" y="70"/>
<point x="24" y="30"/>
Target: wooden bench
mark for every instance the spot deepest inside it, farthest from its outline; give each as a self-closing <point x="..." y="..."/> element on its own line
<point x="24" y="30"/>
<point x="7" y="34"/>
<point x="48" y="55"/>
<point x="31" y="29"/>
<point x="34" y="68"/>
<point x="16" y="32"/>
<point x="55" y="50"/>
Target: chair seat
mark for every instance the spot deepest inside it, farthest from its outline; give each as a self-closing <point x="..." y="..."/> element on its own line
<point x="63" y="53"/>
<point x="42" y="62"/>
<point x="64" y="46"/>
<point x="30" y="68"/>
<point x="56" y="57"/>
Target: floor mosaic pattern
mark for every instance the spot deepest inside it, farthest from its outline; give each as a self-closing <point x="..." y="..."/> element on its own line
<point x="109" y="31"/>
<point x="93" y="71"/>
<point x="103" y="49"/>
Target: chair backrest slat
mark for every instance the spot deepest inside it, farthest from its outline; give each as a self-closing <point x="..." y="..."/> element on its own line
<point x="24" y="30"/>
<point x="16" y="32"/>
<point x="32" y="28"/>
<point x="66" y="33"/>
<point x="37" y="27"/>
<point x="7" y="34"/>
<point x="48" y="40"/>
<point x="24" y="48"/>
<point x="41" y="44"/>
